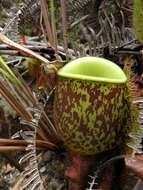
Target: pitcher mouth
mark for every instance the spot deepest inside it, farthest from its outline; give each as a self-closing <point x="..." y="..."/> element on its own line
<point x="93" y="69"/>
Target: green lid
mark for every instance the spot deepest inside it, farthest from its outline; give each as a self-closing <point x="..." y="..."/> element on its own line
<point x="93" y="69"/>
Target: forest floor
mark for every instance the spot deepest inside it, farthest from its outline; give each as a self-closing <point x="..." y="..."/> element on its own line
<point x="49" y="163"/>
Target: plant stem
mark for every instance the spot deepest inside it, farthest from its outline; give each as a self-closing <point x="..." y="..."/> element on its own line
<point x="39" y="143"/>
<point x="44" y="8"/>
<point x="53" y="23"/>
<point x="22" y="49"/>
<point x="64" y="26"/>
<point x="15" y="148"/>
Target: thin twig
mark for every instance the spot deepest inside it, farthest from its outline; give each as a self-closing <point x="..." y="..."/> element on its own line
<point x="64" y="26"/>
<point x="15" y="148"/>
<point x="39" y="143"/>
<point x="26" y="88"/>
<point x="53" y="23"/>
<point x="46" y="118"/>
<point x="44" y="9"/>
<point x="13" y="102"/>
<point x="22" y="49"/>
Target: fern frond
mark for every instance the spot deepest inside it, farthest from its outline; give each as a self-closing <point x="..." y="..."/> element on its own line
<point x="78" y="5"/>
<point x="32" y="176"/>
<point x="93" y="185"/>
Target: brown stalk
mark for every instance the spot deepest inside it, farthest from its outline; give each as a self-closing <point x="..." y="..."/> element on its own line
<point x="22" y="93"/>
<point x="16" y="93"/>
<point x="17" y="88"/>
<point x="44" y="8"/>
<point x="64" y="26"/>
<point x="47" y="120"/>
<point x="21" y="96"/>
<point x="45" y="127"/>
<point x="22" y="49"/>
<point x="17" y="106"/>
<point x="49" y="132"/>
<point x="53" y="24"/>
<point x="13" y="102"/>
<point x="39" y="143"/>
<point x="26" y="88"/>
<point x="15" y="148"/>
<point x="20" y="110"/>
<point x="41" y="133"/>
<point x="46" y="144"/>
